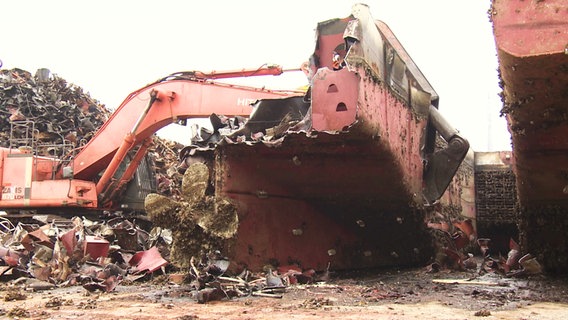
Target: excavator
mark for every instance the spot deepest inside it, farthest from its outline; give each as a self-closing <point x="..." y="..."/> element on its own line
<point x="33" y="181"/>
<point x="340" y="173"/>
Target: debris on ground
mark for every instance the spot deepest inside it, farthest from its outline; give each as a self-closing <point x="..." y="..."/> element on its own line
<point x="514" y="265"/>
<point x="199" y="222"/>
<point x="72" y="252"/>
<point x="483" y="313"/>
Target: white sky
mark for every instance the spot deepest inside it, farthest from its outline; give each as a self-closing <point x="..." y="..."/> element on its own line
<point x="111" y="48"/>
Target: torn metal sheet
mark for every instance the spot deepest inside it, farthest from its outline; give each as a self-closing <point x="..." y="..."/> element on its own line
<point x="5" y="270"/>
<point x="10" y="257"/>
<point x="69" y="241"/>
<point x="36" y="237"/>
<point x="104" y="285"/>
<point x="126" y="233"/>
<point x="149" y="260"/>
<point x="530" y="264"/>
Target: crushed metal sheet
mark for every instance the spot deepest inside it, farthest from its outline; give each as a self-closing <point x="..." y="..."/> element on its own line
<point x="38" y="237"/>
<point x="95" y="247"/>
<point x="149" y="260"/>
<point x="69" y="241"/>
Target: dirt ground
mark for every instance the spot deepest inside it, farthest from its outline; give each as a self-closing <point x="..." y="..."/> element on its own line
<point x="380" y="294"/>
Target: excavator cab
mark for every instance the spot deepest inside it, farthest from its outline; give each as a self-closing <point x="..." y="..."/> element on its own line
<point x="44" y="162"/>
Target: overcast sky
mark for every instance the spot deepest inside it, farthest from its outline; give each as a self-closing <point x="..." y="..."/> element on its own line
<point x="111" y="48"/>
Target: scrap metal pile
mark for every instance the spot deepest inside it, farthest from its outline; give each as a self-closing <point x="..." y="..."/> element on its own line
<point x="98" y="255"/>
<point x="60" y="110"/>
<point x="80" y="252"/>
<point x="63" y="114"/>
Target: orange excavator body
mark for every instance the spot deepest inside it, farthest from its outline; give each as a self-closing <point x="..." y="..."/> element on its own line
<point x="181" y="96"/>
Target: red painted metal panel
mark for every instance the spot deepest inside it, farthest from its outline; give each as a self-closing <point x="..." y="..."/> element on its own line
<point x="95" y="247"/>
<point x="355" y="192"/>
<point x="530" y="28"/>
<point x="334" y="99"/>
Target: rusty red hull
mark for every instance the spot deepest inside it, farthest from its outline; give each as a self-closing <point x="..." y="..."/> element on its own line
<point x="532" y="44"/>
<point x="351" y="198"/>
<point x="339" y="177"/>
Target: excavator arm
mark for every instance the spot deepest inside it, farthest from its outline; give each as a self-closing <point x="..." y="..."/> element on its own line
<point x="95" y="176"/>
<point x="177" y="97"/>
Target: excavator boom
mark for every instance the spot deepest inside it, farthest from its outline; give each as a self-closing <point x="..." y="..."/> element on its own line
<point x="50" y="182"/>
<point x="181" y="97"/>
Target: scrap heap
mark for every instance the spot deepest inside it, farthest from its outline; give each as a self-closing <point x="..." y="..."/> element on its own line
<point x="58" y="251"/>
<point x="60" y="110"/>
<point x="63" y="114"/>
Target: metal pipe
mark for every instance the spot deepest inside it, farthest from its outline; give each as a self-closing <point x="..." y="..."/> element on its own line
<point x="125" y="146"/>
<point x="153" y="97"/>
<point x="441" y="124"/>
<point x="129" y="172"/>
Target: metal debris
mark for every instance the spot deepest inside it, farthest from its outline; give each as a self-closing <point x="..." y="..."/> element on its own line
<point x="453" y="239"/>
<point x="215" y="285"/>
<point x="65" y="117"/>
<point x="79" y="252"/>
<point x="514" y="265"/>
<point x="62" y="112"/>
<point x="149" y="260"/>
